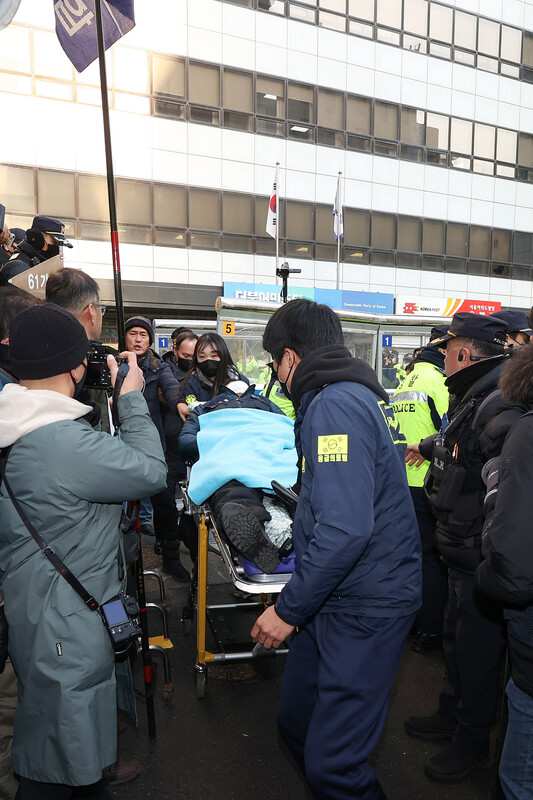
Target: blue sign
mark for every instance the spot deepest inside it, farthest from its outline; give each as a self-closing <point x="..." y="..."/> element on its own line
<point x="386" y="340"/>
<point x="369" y="302"/>
<point x="163" y="342"/>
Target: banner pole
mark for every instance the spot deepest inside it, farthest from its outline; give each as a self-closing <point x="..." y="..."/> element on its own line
<point x="339" y="212"/>
<point x="117" y="280"/>
<point x="278" y="209"/>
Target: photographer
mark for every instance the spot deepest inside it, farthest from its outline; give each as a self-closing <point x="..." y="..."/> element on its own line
<point x="70" y="481"/>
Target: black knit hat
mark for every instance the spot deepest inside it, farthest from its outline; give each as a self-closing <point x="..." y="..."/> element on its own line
<point x="45" y="341"/>
<point x="140" y="322"/>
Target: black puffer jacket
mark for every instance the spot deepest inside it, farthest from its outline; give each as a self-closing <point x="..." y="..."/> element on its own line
<point x="478" y="426"/>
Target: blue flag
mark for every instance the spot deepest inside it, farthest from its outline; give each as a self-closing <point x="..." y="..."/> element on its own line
<point x="76" y="27"/>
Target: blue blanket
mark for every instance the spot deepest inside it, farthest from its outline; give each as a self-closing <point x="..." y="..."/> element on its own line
<point x="250" y="446"/>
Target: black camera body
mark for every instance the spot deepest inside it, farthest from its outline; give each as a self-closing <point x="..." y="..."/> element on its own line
<point x="121" y="619"/>
<point x="98" y="375"/>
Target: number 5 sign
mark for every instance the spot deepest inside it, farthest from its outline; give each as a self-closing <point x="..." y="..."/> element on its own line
<point x="34" y="280"/>
<point x="228" y="329"/>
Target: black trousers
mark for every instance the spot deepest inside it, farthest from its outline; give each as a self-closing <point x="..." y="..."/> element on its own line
<point x="473" y="643"/>
<point x="34" y="790"/>
<point x="430" y="618"/>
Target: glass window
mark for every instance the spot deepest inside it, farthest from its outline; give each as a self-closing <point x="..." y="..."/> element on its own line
<point x="488" y="37"/>
<point x="238" y="91"/>
<point x="92" y="197"/>
<point x="511" y="44"/>
<point x="389" y="13"/>
<point x="204" y="209"/>
<point x="483" y="167"/>
<point x="364" y="9"/>
<point x="525" y="150"/>
<point x="332" y="21"/>
<point x="261" y="210"/>
<point x="484" y="139"/>
<point x="409" y="234"/>
<point x="17" y="190"/>
<point x="437" y="128"/>
<point x="237" y="244"/>
<point x="299" y="221"/>
<point x="465" y="58"/>
<point x="131" y="70"/>
<point x="523" y="248"/>
<point x="133" y="203"/>
<point x="297" y="12"/>
<point x="170" y="238"/>
<point x="48" y="57"/>
<point x="55" y="192"/>
<point x="415" y="16"/>
<point x="204" y="84"/>
<point x="440" y="23"/>
<point x="384" y="231"/>
<point x="300" y="103"/>
<point x="415" y="44"/>
<point x="385" y="121"/>
<point x="330" y="109"/>
<point x="334" y="5"/>
<point x="527" y="49"/>
<point x="205" y="241"/>
<point x="465" y="30"/>
<point x="170" y="206"/>
<point x="389" y="37"/>
<point x="323" y="224"/>
<point x="358" y="114"/>
<point x="356" y="227"/>
<point x="237" y="213"/>
<point x="168" y="75"/>
<point x="134" y="234"/>
<point x="506" y="145"/>
<point x="240" y="122"/>
<point x="432" y="236"/>
<point x="501" y="245"/>
<point x="509" y="69"/>
<point x="461" y="136"/>
<point x="457" y="240"/>
<point x="360" y="29"/>
<point x="412" y="126"/>
<point x="270" y="97"/>
<point x="479" y="242"/>
<point x="15" y="49"/>
<point x="487" y="64"/>
<point x="204" y="115"/>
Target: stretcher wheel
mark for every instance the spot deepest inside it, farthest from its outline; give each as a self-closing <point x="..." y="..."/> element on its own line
<point x="201" y="680"/>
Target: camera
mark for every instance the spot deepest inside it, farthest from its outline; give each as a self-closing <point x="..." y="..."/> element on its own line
<point x="121" y="619"/>
<point x="98" y="375"/>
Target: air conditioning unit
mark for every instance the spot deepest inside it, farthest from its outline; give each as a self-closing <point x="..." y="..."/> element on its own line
<point x="8" y="9"/>
<point x="265" y="5"/>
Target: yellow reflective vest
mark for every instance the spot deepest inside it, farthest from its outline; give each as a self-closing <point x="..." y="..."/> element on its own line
<point x="419" y="403"/>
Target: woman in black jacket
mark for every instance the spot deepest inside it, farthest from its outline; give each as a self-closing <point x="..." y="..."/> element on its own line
<point x="507" y="573"/>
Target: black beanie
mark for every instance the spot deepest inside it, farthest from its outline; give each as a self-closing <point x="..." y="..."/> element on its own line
<point x="140" y="322"/>
<point x="45" y="341"/>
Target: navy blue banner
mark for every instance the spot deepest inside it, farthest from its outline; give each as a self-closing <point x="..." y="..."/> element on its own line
<point x="76" y="27"/>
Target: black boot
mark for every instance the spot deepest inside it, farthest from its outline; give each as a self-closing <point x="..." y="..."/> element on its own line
<point x="171" y="560"/>
<point x="247" y="535"/>
<point x="436" y="726"/>
<point x="450" y="765"/>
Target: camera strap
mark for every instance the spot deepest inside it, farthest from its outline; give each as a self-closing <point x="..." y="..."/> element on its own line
<point x="47" y="551"/>
<point x="121" y="374"/>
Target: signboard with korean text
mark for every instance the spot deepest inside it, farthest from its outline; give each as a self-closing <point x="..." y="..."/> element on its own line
<point x="369" y="302"/>
<point x="33" y="280"/>
<point x="443" y="307"/>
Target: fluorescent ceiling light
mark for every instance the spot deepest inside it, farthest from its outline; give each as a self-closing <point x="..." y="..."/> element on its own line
<point x="299" y="129"/>
<point x="270" y="96"/>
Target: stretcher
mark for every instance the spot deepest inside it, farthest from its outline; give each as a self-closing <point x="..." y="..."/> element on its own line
<point x="259" y="589"/>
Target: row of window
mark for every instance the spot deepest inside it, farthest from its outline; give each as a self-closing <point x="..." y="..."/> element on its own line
<point x="418" y="25"/>
<point x="180" y="216"/>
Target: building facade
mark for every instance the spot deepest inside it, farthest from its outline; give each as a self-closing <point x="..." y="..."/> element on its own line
<point x="425" y="107"/>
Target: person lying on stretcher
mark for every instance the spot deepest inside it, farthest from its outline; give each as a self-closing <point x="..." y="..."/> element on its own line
<point x="237" y="453"/>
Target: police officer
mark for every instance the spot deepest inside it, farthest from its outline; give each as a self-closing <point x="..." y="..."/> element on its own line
<point x="356" y="586"/>
<point x="517" y="328"/>
<point x="419" y="404"/>
<point x="472" y="635"/>
<point x="42" y="242"/>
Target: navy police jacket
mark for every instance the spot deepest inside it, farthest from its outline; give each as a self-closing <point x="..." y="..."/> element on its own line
<point x="355" y="532"/>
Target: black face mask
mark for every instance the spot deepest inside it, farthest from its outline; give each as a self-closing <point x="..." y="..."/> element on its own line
<point x="184" y="363"/>
<point x="283" y="384"/>
<point x="78" y="385"/>
<point x="53" y="250"/>
<point x="209" y="367"/>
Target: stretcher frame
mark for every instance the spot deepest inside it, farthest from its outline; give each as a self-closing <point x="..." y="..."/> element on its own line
<point x="262" y="585"/>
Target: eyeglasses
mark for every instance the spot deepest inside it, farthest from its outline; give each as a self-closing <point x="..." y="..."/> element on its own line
<point x="101" y="306"/>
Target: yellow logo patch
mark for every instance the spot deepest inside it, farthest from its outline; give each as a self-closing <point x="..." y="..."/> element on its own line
<point x="190" y="399"/>
<point x="333" y="448"/>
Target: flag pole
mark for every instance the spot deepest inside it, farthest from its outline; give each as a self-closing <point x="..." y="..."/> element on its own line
<point x="339" y="212"/>
<point x="117" y="280"/>
<point x="278" y="208"/>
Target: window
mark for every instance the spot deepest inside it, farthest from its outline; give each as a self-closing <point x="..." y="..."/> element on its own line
<point x="409" y="234"/>
<point x="415" y="17"/>
<point x="238" y="91"/>
<point x="323" y="224"/>
<point x="270" y="97"/>
<point x="299" y="220"/>
<point x="385" y="121"/>
<point x="432" y="237"/>
<point x="384" y="231"/>
<point x="465" y="30"/>
<point x="133" y="202"/>
<point x="412" y="126"/>
<point x="461" y="136"/>
<point x="527" y="49"/>
<point x="437" y="128"/>
<point x="511" y="44"/>
<point x="15" y="49"/>
<point x="330" y="112"/>
<point x="484" y="139"/>
<point x="356" y="227"/>
<point x="168" y="75"/>
<point x="488" y="37"/>
<point x="523" y="248"/>
<point x="332" y="21"/>
<point x="525" y="150"/>
<point x="300" y="103"/>
<point x="131" y="70"/>
<point x="49" y="59"/>
<point x="358" y="115"/>
<point x="457" y="240"/>
<point x="364" y="9"/>
<point x="440" y="23"/>
<point x="501" y="245"/>
<point x="479" y="242"/>
<point x="334" y="5"/>
<point x="17" y="190"/>
<point x="55" y="192"/>
<point x="237" y="213"/>
<point x="170" y="206"/>
<point x="204" y="210"/>
<point x="389" y="13"/>
<point x="204" y="84"/>
<point x="93" y="198"/>
<point x="506" y="145"/>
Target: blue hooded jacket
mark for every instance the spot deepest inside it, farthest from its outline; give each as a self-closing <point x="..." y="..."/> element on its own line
<point x="355" y="532"/>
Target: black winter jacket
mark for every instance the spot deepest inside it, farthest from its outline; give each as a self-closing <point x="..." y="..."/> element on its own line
<point x="478" y="426"/>
<point x="158" y="375"/>
<point x="24" y="257"/>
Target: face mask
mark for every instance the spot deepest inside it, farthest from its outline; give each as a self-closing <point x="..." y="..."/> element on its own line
<point x="184" y="363"/>
<point x="209" y="367"/>
<point x="53" y="250"/>
<point x="283" y="384"/>
<point x="78" y="386"/>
